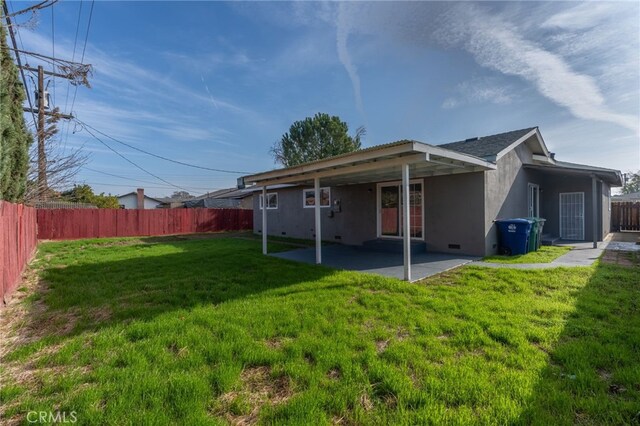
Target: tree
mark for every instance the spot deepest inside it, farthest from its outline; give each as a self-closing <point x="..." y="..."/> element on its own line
<point x="182" y="195"/>
<point x="632" y="183"/>
<point x="84" y="194"/>
<point x="14" y="136"/>
<point x="314" y="138"/>
<point x="61" y="168"/>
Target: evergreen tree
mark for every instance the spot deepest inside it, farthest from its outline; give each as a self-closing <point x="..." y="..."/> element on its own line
<point x="84" y="194"/>
<point x="14" y="136"/>
<point x="314" y="138"/>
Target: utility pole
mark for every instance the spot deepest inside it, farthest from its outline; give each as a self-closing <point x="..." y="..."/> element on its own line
<point x="77" y="73"/>
<point x="78" y="77"/>
<point x="42" y="155"/>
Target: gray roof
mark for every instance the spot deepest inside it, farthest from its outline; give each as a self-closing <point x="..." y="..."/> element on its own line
<point x="577" y="166"/>
<point x="234" y="193"/>
<point x="213" y="203"/>
<point x="487" y="146"/>
<point x="627" y="197"/>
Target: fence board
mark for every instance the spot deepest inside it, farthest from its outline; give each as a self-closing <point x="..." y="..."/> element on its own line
<point x="68" y="224"/>
<point x="625" y="216"/>
<point x="18" y="240"/>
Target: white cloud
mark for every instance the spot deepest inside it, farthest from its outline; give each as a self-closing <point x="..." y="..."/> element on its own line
<point x="479" y="90"/>
<point x="585" y="15"/>
<point x="495" y="43"/>
<point x="342" y="37"/>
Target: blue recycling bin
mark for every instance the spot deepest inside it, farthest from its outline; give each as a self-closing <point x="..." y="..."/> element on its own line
<point x="514" y="235"/>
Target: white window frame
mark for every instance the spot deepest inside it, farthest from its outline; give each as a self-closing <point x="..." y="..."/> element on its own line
<point x="304" y="197"/>
<point x="269" y="194"/>
<point x="584" y="219"/>
<point x="533" y="209"/>
<point x="379" y="210"/>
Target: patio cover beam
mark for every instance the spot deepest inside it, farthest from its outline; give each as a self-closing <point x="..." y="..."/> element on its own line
<point x="316" y="187"/>
<point x="264" y="219"/>
<point x="594" y="207"/>
<point x="406" y="237"/>
<point x="350" y="169"/>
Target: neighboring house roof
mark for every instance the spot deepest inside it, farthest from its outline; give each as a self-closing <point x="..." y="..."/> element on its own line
<point x="169" y="200"/>
<point x="228" y="198"/>
<point x="213" y="203"/>
<point x="488" y="146"/>
<point x="136" y="194"/>
<point x="634" y="196"/>
<point x="234" y="193"/>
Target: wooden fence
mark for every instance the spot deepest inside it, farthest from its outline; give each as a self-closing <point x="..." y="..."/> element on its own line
<point x="69" y="224"/>
<point x="18" y="240"/>
<point x="625" y="216"/>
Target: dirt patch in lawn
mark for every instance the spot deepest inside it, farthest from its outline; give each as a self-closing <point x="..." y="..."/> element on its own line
<point x="621" y="258"/>
<point x="258" y="388"/>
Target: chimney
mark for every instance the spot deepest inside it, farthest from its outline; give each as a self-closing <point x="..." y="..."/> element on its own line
<point x="140" y="198"/>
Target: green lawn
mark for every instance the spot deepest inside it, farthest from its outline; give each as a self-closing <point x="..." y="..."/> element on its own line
<point x="545" y="254"/>
<point x="208" y="331"/>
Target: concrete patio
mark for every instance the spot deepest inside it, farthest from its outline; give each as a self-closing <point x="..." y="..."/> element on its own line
<point x="389" y="264"/>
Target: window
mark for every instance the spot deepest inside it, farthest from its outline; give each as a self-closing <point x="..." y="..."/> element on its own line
<point x="309" y="198"/>
<point x="272" y="201"/>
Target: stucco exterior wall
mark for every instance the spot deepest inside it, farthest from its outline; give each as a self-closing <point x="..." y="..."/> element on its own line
<point x="353" y="224"/>
<point x="506" y="192"/>
<point x="454" y="213"/>
<point x="606" y="209"/>
<point x="553" y="185"/>
<point x="449" y="217"/>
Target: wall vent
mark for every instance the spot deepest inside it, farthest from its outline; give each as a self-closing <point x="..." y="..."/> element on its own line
<point x="338" y="237"/>
<point x="454" y="246"/>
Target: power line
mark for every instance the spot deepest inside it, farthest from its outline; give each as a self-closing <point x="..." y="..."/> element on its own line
<point x="141" y="180"/>
<point x="85" y="125"/>
<point x="132" y="163"/>
<point x="84" y="48"/>
<point x="73" y="58"/>
<point x="53" y="49"/>
<point x="146" y="186"/>
<point x="118" y="176"/>
<point x="15" y="46"/>
<point x="41" y="5"/>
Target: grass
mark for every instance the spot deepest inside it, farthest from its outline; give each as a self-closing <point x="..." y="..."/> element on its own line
<point x="162" y="331"/>
<point x="545" y="254"/>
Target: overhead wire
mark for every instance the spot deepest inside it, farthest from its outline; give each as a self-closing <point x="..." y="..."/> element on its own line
<point x="146" y="186"/>
<point x="12" y="32"/>
<point x="73" y="58"/>
<point x="53" y="50"/>
<point x="41" y="5"/>
<point x="140" y="180"/>
<point x="85" y="125"/>
<point x="132" y="162"/>
<point x="84" y="48"/>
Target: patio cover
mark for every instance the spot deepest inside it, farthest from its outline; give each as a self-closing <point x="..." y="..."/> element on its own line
<point x="380" y="163"/>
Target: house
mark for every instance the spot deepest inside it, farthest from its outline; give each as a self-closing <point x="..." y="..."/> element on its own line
<point x="456" y="192"/>
<point x="230" y="198"/>
<point x="633" y="197"/>
<point x="138" y="200"/>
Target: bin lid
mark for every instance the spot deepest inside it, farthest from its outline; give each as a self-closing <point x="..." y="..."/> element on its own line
<point x="516" y="220"/>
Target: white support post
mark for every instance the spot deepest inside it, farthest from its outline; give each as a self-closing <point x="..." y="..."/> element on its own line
<point x="264" y="220"/>
<point x="316" y="184"/>
<point x="594" y="206"/>
<point x="406" y="236"/>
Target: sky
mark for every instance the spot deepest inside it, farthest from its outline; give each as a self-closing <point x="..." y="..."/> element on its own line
<point x="216" y="84"/>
